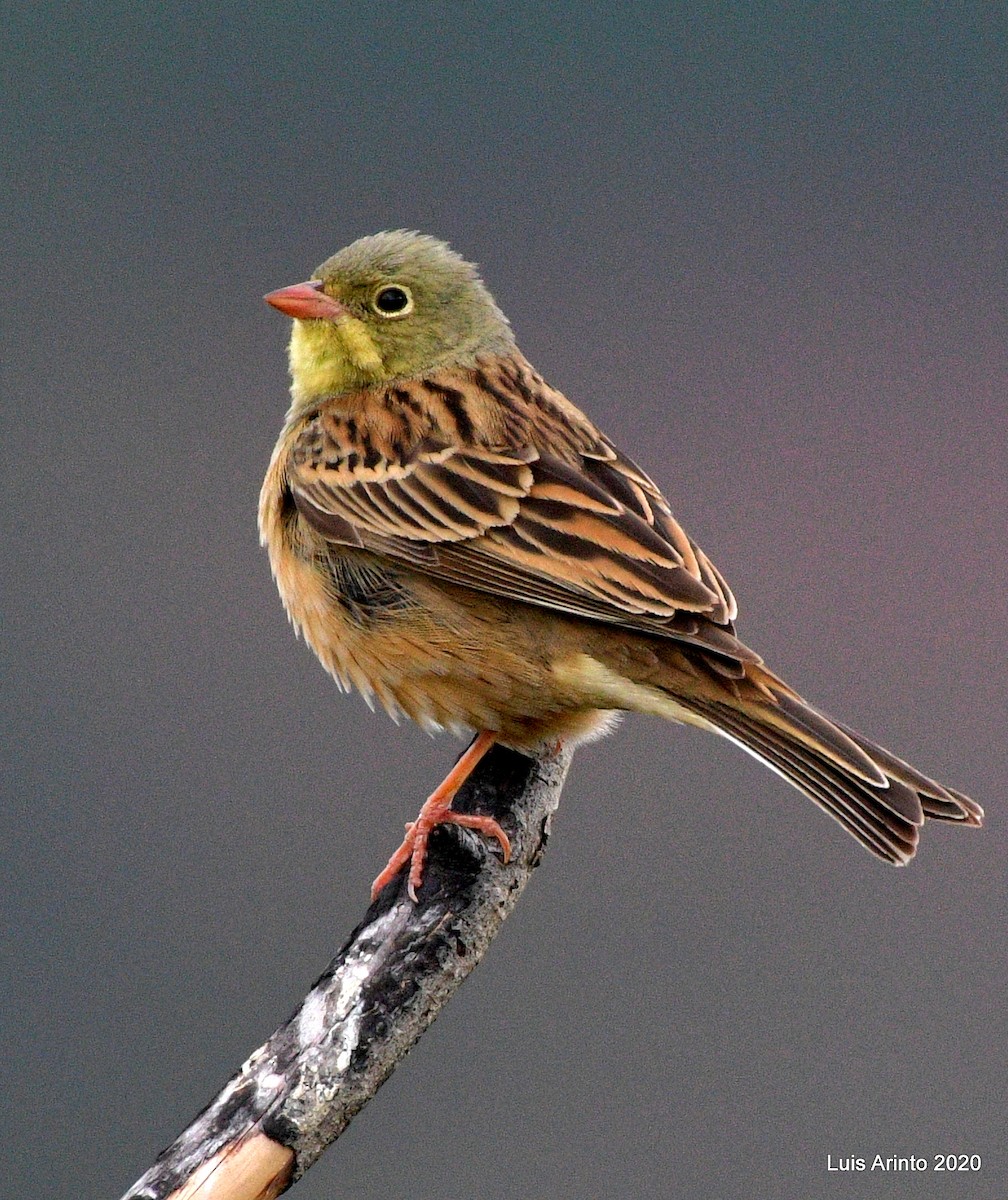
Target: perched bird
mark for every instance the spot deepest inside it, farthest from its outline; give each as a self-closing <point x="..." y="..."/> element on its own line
<point x="456" y="539"/>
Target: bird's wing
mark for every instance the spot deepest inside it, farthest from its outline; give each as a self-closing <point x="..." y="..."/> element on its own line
<point x="571" y="525"/>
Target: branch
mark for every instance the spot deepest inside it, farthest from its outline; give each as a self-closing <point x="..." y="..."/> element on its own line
<point x="299" y="1091"/>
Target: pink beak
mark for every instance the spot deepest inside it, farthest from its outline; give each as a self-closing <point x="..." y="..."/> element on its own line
<point x="306" y="301"/>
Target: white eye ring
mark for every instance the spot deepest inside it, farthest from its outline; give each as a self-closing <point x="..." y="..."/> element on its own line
<point x="392" y="300"/>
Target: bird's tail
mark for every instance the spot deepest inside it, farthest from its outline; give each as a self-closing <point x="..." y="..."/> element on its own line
<point x="879" y="799"/>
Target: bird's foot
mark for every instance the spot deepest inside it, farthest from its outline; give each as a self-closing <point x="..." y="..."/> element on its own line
<point x="413" y="849"/>
<point x="436" y="811"/>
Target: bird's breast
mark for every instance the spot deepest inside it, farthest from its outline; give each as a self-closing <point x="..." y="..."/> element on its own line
<point x="442" y="655"/>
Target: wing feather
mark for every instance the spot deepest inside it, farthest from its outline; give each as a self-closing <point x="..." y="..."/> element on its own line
<point x="563" y="521"/>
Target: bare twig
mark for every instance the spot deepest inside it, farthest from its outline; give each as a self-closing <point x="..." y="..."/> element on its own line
<point x="299" y="1091"/>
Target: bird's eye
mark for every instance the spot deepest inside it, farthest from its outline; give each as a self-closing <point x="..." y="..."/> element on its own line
<point x="393" y="301"/>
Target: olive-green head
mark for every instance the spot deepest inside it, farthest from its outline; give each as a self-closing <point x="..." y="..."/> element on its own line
<point x="391" y="306"/>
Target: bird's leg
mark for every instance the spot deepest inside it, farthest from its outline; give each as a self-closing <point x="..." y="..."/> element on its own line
<point x="437" y="810"/>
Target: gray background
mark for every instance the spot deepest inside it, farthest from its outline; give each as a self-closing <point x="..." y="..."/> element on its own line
<point x="767" y="254"/>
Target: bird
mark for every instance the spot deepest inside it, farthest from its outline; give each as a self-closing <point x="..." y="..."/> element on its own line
<point x="458" y="541"/>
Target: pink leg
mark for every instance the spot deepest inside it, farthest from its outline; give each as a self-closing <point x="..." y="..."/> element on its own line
<point x="437" y="810"/>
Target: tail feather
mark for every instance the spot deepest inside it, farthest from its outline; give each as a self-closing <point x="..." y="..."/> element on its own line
<point x="942" y="803"/>
<point x="879" y="799"/>
<point x="846" y="751"/>
<point x="846" y="797"/>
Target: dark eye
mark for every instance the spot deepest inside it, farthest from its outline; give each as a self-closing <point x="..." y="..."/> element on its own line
<point x="393" y="301"/>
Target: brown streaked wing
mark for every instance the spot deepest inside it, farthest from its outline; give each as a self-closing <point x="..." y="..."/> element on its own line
<point x="623" y="478"/>
<point x="476" y="566"/>
<point x="432" y="498"/>
<point x="583" y="531"/>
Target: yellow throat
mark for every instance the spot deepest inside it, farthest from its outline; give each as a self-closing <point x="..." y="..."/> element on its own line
<point x="327" y="358"/>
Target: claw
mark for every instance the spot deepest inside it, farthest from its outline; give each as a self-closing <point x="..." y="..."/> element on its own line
<point x="436" y="811"/>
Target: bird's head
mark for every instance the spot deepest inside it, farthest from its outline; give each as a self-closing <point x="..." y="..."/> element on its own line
<point x="391" y="306"/>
